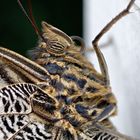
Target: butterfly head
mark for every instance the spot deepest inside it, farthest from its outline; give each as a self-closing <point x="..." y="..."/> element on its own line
<point x="52" y="40"/>
<point x="56" y="42"/>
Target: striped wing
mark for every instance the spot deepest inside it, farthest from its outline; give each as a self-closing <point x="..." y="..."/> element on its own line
<point x="15" y="99"/>
<point x="17" y="122"/>
<point x="20" y="127"/>
<point x="15" y="68"/>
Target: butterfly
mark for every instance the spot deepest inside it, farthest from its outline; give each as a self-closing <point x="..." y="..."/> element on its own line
<point x="58" y="94"/>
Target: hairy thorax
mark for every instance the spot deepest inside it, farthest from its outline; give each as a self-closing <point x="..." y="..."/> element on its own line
<point x="78" y="90"/>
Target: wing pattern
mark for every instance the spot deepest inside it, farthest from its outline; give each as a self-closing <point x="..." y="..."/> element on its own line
<point x="15" y="99"/>
<point x="17" y="121"/>
<point x="11" y="124"/>
<point x="20" y="127"/>
<point x="34" y="131"/>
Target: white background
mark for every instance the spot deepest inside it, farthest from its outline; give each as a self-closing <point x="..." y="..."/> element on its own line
<point x="122" y="56"/>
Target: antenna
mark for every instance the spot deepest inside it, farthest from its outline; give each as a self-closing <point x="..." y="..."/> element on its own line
<point x="30" y="17"/>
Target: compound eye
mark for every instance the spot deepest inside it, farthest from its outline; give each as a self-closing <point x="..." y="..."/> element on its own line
<point x="55" y="47"/>
<point x="79" y="43"/>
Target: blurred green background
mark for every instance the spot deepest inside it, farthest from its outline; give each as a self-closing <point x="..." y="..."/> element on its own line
<point x="16" y="33"/>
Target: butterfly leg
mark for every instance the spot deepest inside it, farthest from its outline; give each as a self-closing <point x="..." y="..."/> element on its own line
<point x="101" y="59"/>
<point x="104" y="45"/>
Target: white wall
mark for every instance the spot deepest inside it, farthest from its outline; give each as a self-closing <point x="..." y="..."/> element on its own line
<point x="122" y="56"/>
